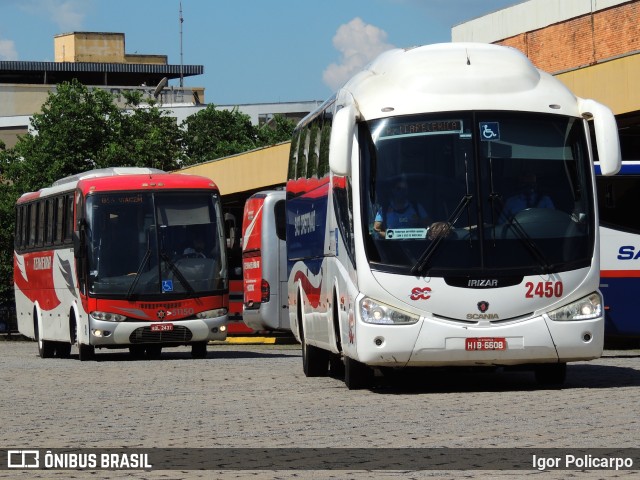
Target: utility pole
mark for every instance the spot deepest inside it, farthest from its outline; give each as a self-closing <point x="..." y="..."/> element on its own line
<point x="181" y="62"/>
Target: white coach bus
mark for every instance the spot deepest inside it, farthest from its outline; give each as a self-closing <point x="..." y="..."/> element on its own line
<point x="441" y="211"/>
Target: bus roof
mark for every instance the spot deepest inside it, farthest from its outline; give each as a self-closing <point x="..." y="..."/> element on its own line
<point x="122" y="179"/>
<point x="454" y="76"/>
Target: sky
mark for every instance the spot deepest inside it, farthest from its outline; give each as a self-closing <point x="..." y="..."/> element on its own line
<point x="253" y="51"/>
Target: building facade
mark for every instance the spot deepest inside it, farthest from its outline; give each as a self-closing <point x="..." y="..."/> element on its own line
<point x="593" y="46"/>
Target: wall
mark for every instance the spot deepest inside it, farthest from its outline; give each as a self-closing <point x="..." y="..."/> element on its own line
<point x="582" y="41"/>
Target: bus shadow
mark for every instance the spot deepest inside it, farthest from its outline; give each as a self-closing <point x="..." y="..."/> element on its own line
<point x="454" y="380"/>
<point x="168" y="355"/>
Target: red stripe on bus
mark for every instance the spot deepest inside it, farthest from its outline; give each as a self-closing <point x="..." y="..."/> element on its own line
<point x="620" y="273"/>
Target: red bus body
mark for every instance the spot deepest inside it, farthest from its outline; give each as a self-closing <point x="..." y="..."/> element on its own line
<point x="102" y="260"/>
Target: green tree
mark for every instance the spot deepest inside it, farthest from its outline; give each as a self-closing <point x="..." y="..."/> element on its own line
<point x="146" y="137"/>
<point x="8" y="197"/>
<point x="212" y="133"/>
<point x="74" y="126"/>
<point x="79" y="129"/>
<point x="278" y="129"/>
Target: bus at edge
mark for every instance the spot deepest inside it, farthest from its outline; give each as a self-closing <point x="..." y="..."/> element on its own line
<point x="264" y="265"/>
<point x="620" y="249"/>
<point x="121" y="258"/>
<point x="441" y="212"/>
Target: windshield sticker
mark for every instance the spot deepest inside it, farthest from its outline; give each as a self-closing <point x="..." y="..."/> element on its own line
<point x="406" y="233"/>
<point x="167" y="285"/>
<point x="489" y="131"/>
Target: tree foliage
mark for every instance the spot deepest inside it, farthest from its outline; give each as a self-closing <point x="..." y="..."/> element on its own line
<point x="213" y="133"/>
<point x="79" y="128"/>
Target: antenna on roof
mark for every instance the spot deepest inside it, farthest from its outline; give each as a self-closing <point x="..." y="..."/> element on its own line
<point x="181" y="72"/>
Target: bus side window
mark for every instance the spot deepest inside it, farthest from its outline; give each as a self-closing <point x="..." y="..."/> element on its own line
<point x="33" y="220"/>
<point x="68" y="218"/>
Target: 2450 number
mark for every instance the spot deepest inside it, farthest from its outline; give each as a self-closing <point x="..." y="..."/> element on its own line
<point x="544" y="289"/>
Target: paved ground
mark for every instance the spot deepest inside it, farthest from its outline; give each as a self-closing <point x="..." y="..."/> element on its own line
<point x="257" y="396"/>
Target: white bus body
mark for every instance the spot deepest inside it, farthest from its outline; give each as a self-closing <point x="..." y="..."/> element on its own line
<point x="437" y="137"/>
<point x="264" y="262"/>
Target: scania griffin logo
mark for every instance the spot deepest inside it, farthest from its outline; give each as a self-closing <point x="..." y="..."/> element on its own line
<point x="483" y="306"/>
<point x="161" y="314"/>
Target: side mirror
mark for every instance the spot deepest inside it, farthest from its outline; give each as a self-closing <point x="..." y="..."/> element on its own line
<point x="231" y="231"/>
<point x="341" y="143"/>
<point x="78" y="244"/>
<point x="606" y="133"/>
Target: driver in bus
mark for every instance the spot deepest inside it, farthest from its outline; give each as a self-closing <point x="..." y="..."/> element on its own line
<point x="529" y="196"/>
<point x="401" y="211"/>
<point x="196" y="250"/>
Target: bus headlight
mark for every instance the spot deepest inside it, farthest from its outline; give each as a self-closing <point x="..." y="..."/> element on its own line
<point x="375" y="312"/>
<point x="586" y="308"/>
<point x="218" y="312"/>
<point x="108" y="316"/>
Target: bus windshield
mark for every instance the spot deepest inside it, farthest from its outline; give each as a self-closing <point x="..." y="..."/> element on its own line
<point x="149" y="244"/>
<point x="473" y="193"/>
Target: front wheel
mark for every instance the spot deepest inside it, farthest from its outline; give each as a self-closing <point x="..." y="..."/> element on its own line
<point x="357" y="375"/>
<point x="86" y="352"/>
<point x="315" y="361"/>
<point x="199" y="350"/>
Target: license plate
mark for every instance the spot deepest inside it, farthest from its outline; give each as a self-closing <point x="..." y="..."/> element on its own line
<point x="485" y="343"/>
<point x="161" y="327"/>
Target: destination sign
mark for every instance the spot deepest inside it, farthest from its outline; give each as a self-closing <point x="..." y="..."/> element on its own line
<point x="422" y="128"/>
<point x="120" y="199"/>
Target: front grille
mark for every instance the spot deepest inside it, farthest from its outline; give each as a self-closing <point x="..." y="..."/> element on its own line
<point x="179" y="334"/>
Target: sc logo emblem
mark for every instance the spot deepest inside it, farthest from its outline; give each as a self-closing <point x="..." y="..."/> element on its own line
<point x="420" y="293"/>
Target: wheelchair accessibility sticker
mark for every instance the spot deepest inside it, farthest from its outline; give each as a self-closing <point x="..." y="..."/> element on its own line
<point x="167" y="285"/>
<point x="489" y="131"/>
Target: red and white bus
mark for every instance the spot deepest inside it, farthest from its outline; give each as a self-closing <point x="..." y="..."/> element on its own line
<point x="441" y="211"/>
<point x="264" y="262"/>
<point x="121" y="258"/>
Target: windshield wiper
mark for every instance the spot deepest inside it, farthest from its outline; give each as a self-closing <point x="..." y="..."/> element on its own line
<point x="144" y="261"/>
<point x="528" y="242"/>
<point x="430" y="250"/>
<point x="176" y="271"/>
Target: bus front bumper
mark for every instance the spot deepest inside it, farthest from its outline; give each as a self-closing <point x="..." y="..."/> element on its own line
<point x="179" y="332"/>
<point x="435" y="342"/>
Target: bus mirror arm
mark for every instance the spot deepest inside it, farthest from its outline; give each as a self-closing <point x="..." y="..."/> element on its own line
<point x="79" y="241"/>
<point x="341" y="143"/>
<point x="606" y="134"/>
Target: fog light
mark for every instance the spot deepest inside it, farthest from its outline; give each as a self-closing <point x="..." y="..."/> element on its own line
<point x="223" y="328"/>
<point x="100" y="333"/>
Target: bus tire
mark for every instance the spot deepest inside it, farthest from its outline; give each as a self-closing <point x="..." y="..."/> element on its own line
<point x="199" y="350"/>
<point x="551" y="373"/>
<point x="357" y="375"/>
<point x="315" y="361"/>
<point x="86" y="352"/>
